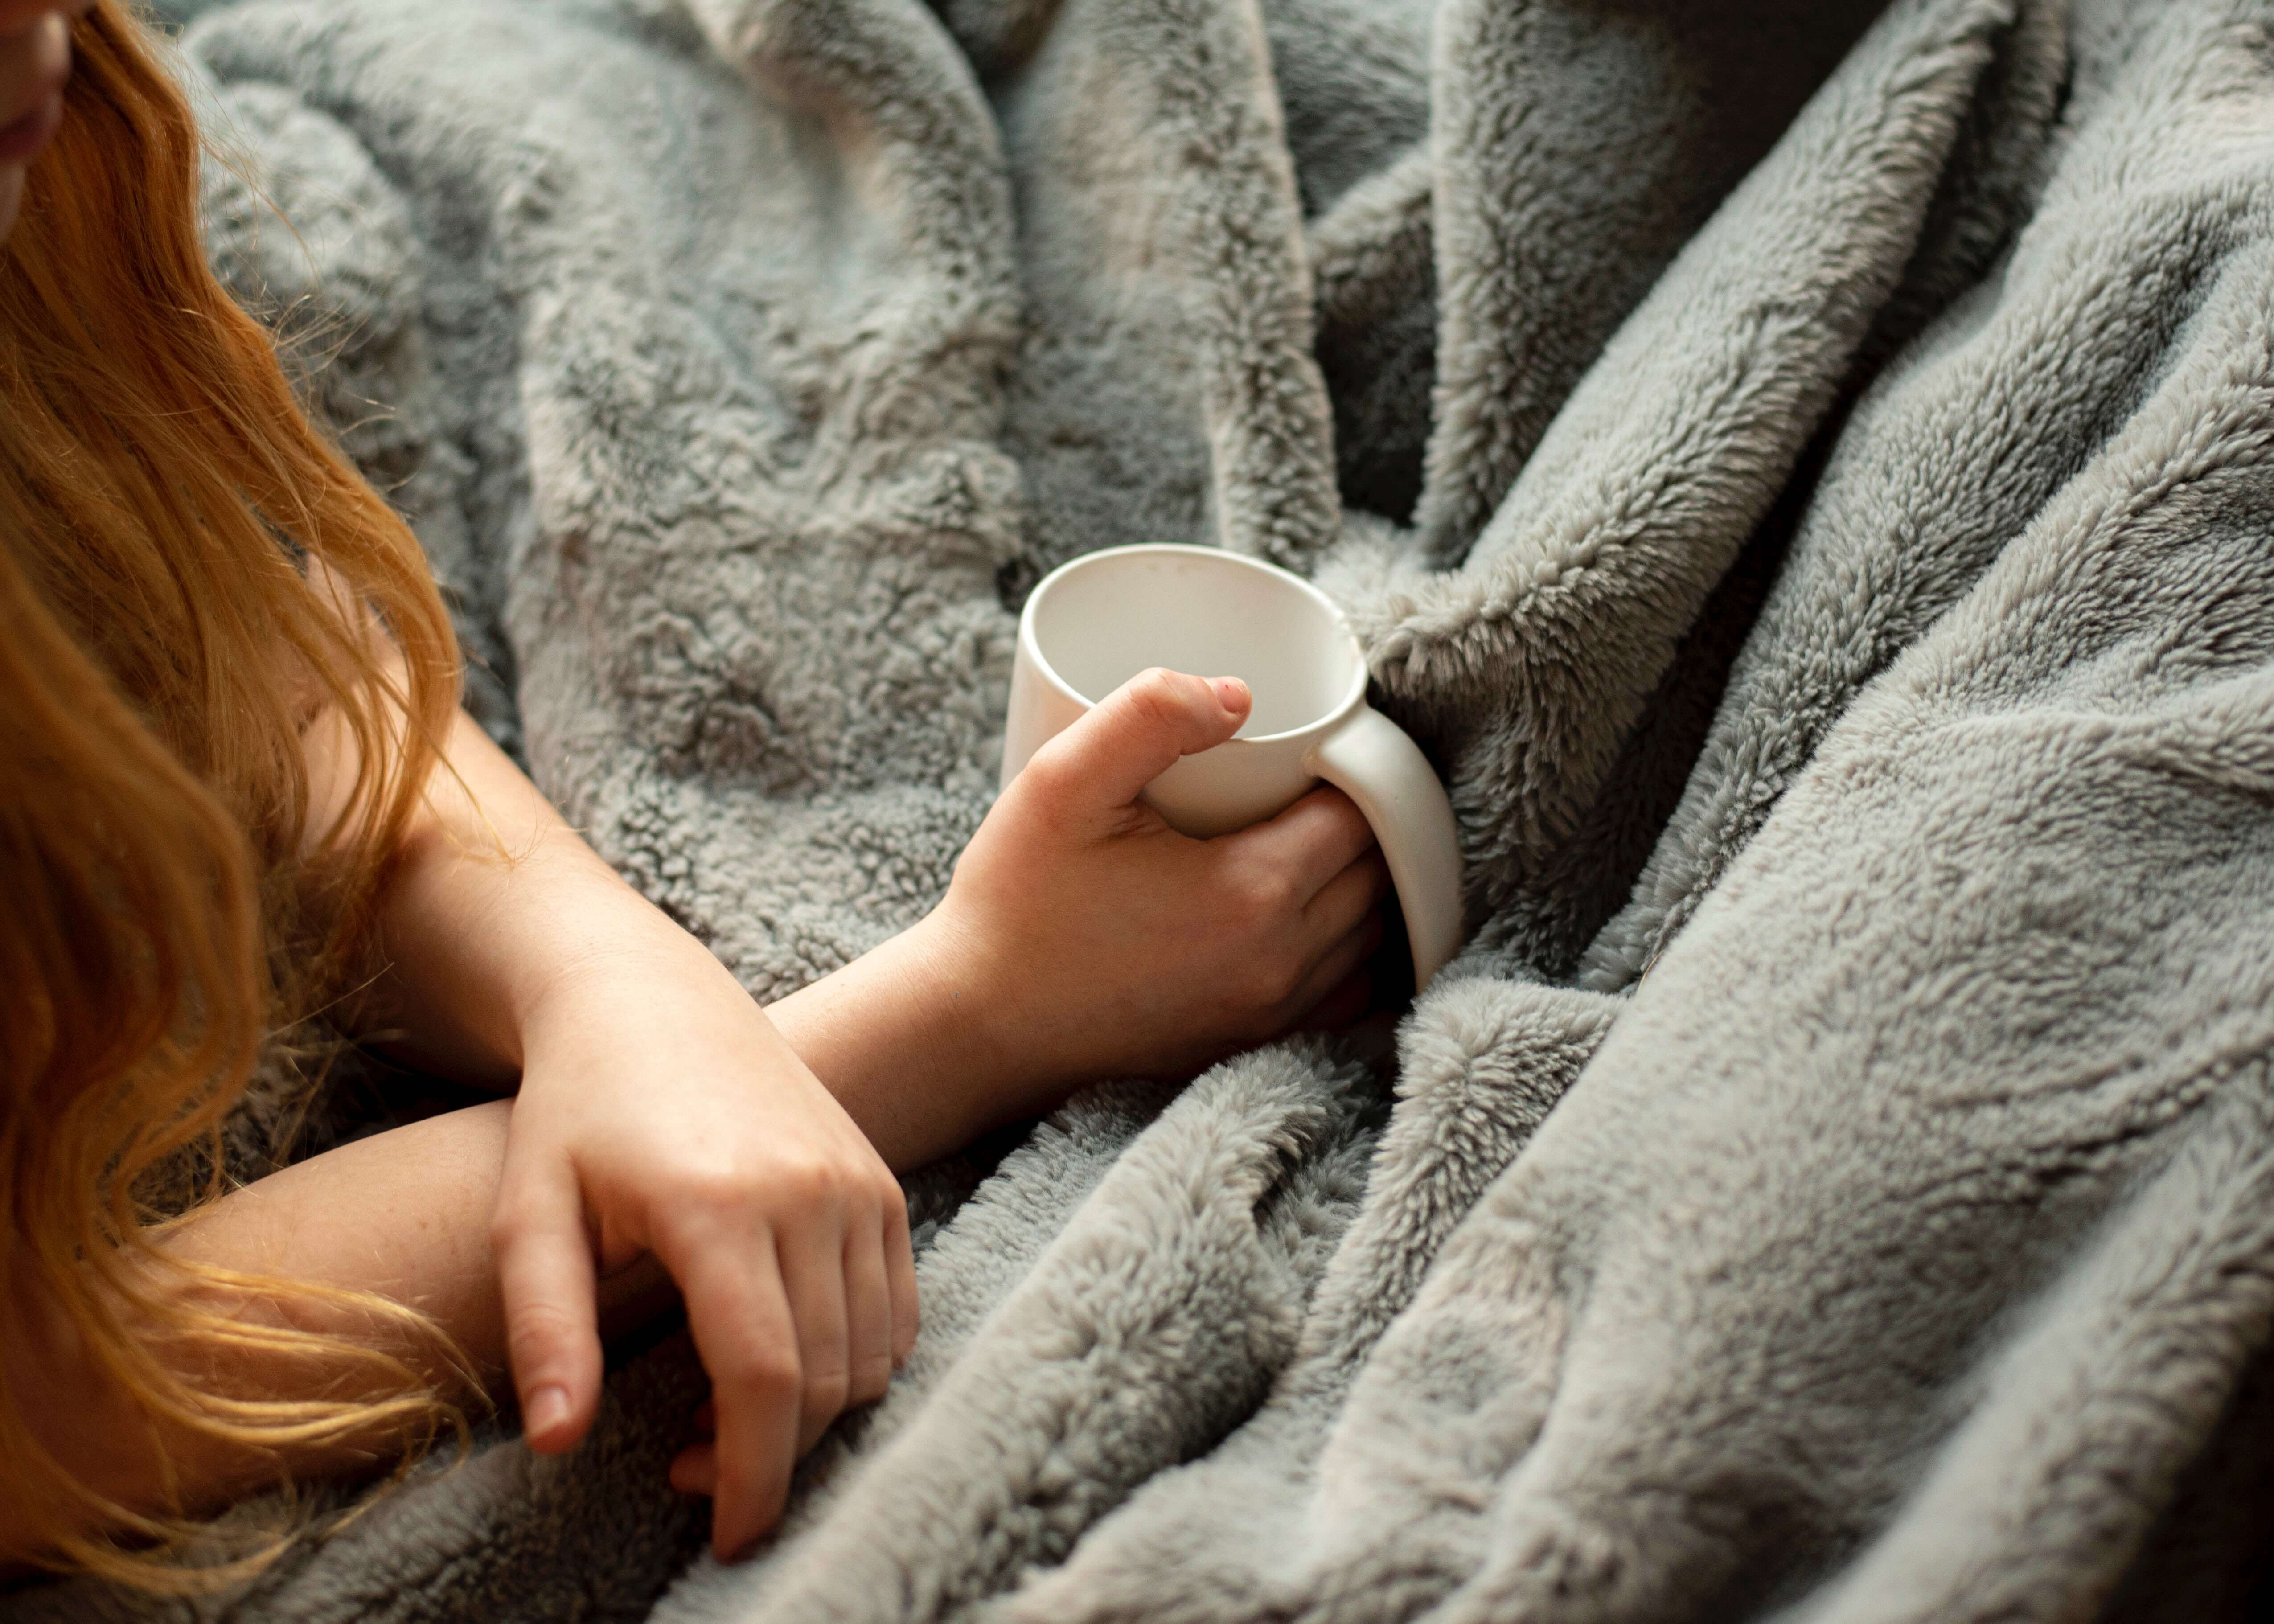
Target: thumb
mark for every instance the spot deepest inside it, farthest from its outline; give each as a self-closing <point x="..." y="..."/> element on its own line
<point x="1138" y="733"/>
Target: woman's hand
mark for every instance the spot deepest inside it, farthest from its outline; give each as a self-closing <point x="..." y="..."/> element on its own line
<point x="1084" y="938"/>
<point x="660" y="1114"/>
<point x="1107" y="944"/>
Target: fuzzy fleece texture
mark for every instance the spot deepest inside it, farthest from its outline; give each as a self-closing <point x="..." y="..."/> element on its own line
<point x="1804" y="470"/>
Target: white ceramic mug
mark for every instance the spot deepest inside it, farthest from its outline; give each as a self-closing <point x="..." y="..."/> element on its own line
<point x="1097" y="623"/>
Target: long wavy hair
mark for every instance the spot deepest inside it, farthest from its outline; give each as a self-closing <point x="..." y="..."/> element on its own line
<point x="175" y="541"/>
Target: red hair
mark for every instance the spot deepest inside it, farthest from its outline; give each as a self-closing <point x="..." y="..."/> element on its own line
<point x="177" y="539"/>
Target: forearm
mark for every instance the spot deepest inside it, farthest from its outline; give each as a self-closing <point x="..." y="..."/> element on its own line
<point x="905" y="1038"/>
<point x="499" y="911"/>
<point x="497" y="907"/>
<point x="493" y="905"/>
<point x="403" y="1214"/>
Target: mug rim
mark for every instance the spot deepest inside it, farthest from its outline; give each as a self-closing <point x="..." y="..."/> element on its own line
<point x="1031" y="646"/>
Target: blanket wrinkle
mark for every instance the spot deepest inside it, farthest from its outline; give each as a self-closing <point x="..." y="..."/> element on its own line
<point x="1374" y="282"/>
<point x="996" y="36"/>
<point x="2182" y="1570"/>
<point x="1804" y="471"/>
<point x="1181" y="1280"/>
<point x="1354" y="78"/>
<point x="2138" y="1344"/>
<point x="1577" y="147"/>
<point x="1475" y="1084"/>
<point x="1158" y="215"/>
<point x="1998" y="405"/>
<point x="1525" y="668"/>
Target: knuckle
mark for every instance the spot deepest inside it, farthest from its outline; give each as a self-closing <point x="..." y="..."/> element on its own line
<point x="1267" y="892"/>
<point x="1049" y="779"/>
<point x="826" y="1391"/>
<point x="769" y="1373"/>
<point x="811" y="1183"/>
<point x="718" y="1193"/>
<point x="1267" y="982"/>
<point x="509" y="1225"/>
<point x="891" y="1201"/>
<point x="537" y="1333"/>
<point x="515" y="1224"/>
<point x="872" y="1376"/>
<point x="1152" y="698"/>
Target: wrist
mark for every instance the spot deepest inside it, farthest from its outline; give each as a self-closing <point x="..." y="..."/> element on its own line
<point x="915" y="1041"/>
<point x="543" y="935"/>
<point x="599" y="945"/>
<point x="498" y="924"/>
<point x="960" y="1003"/>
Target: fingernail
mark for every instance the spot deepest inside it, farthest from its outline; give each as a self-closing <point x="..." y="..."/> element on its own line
<point x="1233" y="694"/>
<point x="547" y="1408"/>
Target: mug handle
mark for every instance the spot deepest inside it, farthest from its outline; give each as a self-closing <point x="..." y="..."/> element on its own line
<point x="1370" y="759"/>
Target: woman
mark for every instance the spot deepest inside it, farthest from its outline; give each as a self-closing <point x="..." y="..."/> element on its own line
<point x="236" y="790"/>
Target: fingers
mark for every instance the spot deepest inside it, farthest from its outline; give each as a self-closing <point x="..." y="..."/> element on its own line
<point x="1104" y="760"/>
<point x="839" y="1279"/>
<point x="814" y="1268"/>
<point x="901" y="1276"/>
<point x="739" y="1313"/>
<point x="695" y="1470"/>
<point x="868" y="1317"/>
<point x="545" y="1276"/>
<point x="1331" y="978"/>
<point x="793" y="1333"/>
<point x="1348" y="899"/>
<point x="1313" y="841"/>
<point x="846" y="1318"/>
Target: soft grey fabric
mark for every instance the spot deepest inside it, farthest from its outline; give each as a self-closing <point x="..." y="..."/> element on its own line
<point x="1802" y="470"/>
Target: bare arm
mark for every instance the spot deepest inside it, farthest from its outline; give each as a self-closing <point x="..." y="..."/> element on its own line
<point x="659" y="1115"/>
<point x="1034" y="977"/>
<point x="481" y="950"/>
<point x="403" y="1214"/>
<point x="663" y="1117"/>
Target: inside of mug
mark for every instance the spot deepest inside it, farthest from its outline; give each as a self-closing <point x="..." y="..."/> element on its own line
<point x="1215" y="615"/>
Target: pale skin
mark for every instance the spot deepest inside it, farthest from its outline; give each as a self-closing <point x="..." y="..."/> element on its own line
<point x="660" y="1132"/>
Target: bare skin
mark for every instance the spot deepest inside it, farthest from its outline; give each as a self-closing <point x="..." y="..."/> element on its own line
<point x="35" y="63"/>
<point x="665" y="1132"/>
<point x="666" y="1125"/>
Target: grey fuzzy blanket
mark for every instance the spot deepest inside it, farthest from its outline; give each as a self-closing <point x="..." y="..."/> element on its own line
<point x="1804" y="468"/>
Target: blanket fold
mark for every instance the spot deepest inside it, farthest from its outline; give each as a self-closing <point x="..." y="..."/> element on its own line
<point x="1806" y="473"/>
<point x="1529" y="664"/>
